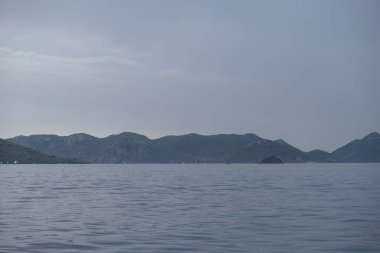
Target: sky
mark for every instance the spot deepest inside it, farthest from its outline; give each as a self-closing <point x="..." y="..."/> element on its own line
<point x="304" y="71"/>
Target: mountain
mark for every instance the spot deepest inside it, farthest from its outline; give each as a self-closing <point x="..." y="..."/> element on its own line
<point x="119" y="148"/>
<point x="255" y="152"/>
<point x="318" y="155"/>
<point x="360" y="151"/>
<point x="206" y="148"/>
<point x="14" y="153"/>
<point x="192" y="148"/>
<point x="135" y="148"/>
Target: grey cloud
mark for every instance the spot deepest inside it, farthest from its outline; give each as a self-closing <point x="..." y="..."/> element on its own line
<point x="305" y="71"/>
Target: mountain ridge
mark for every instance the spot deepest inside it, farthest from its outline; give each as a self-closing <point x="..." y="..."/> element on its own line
<point x="15" y="153"/>
<point x="366" y="149"/>
<point x="129" y="147"/>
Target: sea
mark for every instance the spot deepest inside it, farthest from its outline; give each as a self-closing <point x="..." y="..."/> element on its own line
<point x="190" y="208"/>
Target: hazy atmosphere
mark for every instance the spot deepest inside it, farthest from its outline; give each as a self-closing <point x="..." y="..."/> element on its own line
<point x="304" y="71"/>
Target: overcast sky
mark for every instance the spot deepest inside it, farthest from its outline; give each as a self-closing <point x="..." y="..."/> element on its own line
<point x="304" y="71"/>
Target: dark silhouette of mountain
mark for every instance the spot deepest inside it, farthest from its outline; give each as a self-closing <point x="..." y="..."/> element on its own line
<point x="192" y="148"/>
<point x="14" y="153"/>
<point x="206" y="148"/>
<point x="360" y="151"/>
<point x="318" y="155"/>
<point x="257" y="151"/>
<point x="119" y="148"/>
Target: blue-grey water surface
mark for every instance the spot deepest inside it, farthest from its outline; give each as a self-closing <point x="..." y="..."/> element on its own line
<point x="190" y="208"/>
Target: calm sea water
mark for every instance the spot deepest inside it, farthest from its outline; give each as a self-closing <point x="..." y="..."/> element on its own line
<point x="190" y="208"/>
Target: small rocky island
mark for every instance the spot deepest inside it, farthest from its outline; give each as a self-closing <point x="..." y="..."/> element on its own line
<point x="272" y="160"/>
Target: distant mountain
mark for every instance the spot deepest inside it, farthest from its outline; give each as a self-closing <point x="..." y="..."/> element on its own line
<point x="359" y="151"/>
<point x="120" y="148"/>
<point x="255" y="152"/>
<point x="318" y="155"/>
<point x="14" y="153"/>
<point x="206" y="148"/>
<point x="192" y="148"/>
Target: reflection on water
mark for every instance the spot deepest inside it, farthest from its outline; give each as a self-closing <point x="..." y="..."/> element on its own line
<point x="190" y="208"/>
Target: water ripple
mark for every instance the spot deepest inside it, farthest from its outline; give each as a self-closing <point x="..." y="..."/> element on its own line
<point x="190" y="208"/>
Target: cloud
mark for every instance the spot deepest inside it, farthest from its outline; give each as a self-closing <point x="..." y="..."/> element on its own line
<point x="15" y="62"/>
